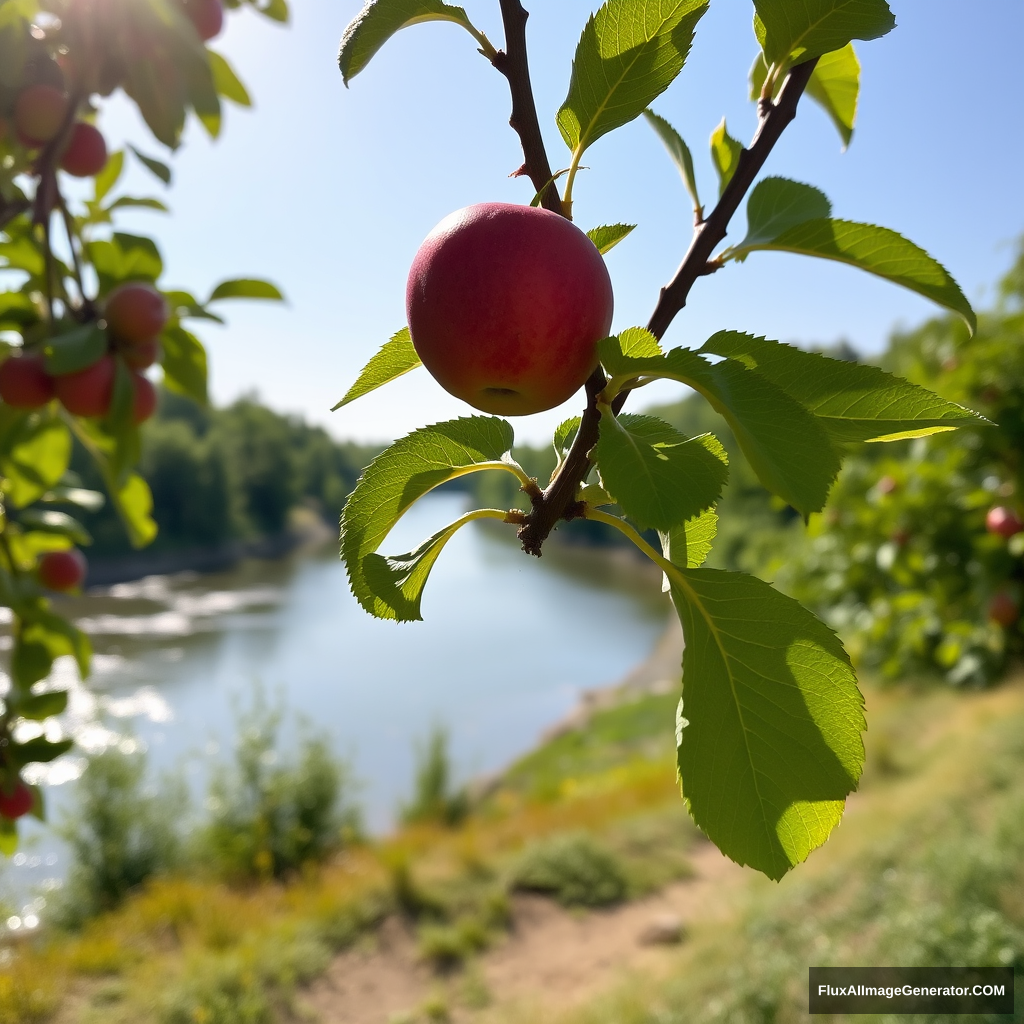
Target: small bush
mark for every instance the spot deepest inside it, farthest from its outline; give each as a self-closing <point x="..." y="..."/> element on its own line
<point x="574" y="869"/>
<point x="120" y="835"/>
<point x="434" y="797"/>
<point x="223" y="990"/>
<point x="269" y="819"/>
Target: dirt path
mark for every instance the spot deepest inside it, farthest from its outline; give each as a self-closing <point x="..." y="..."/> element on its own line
<point x="552" y="957"/>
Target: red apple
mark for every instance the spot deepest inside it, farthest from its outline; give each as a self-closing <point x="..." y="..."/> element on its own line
<point x="506" y="305"/>
<point x="88" y="392"/>
<point x="86" y="152"/>
<point x="24" y="382"/>
<point x="144" y="401"/>
<point x="206" y="15"/>
<point x="143" y="355"/>
<point x="1003" y="609"/>
<point x="135" y="312"/>
<point x="15" y="801"/>
<point x="1003" y="521"/>
<point x="39" y="112"/>
<point x="61" y="570"/>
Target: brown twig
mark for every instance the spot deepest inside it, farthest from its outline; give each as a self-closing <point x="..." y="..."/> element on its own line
<point x="558" y="499"/>
<point x="513" y="64"/>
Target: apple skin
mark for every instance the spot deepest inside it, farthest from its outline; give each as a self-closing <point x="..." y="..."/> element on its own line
<point x="144" y="400"/>
<point x="1003" y="610"/>
<point x="24" y="382"/>
<point x="207" y="16"/>
<point x="1003" y="521"/>
<point x="143" y="355"/>
<point x="61" y="570"/>
<point x="88" y="392"/>
<point x="86" y="152"/>
<point x="39" y="112"/>
<point x="135" y="312"/>
<point x="17" y="802"/>
<point x="506" y="305"/>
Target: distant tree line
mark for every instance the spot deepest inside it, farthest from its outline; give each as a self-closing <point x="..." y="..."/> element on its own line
<point x="229" y="474"/>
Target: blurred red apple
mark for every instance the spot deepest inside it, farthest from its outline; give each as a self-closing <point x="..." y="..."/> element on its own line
<point x="61" y="570"/>
<point x="506" y="305"/>
<point x="1003" y="609"/>
<point x="24" y="382"/>
<point x="86" y="152"/>
<point x="39" y="112"/>
<point x="1003" y="521"/>
<point x="88" y="392"/>
<point x="16" y="801"/>
<point x="135" y="312"/>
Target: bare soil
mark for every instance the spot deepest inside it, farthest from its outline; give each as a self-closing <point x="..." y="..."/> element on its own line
<point x="552" y="958"/>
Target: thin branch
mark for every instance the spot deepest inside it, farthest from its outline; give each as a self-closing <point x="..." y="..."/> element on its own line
<point x="558" y="501"/>
<point x="513" y="64"/>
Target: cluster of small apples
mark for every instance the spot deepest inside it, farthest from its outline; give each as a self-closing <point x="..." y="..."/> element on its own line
<point x="1004" y="522"/>
<point x="135" y="314"/>
<point x="41" y="114"/>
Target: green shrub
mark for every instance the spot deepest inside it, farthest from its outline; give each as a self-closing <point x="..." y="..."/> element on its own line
<point x="269" y="819"/>
<point x="218" y="990"/>
<point x="575" y="869"/>
<point x="435" y="799"/>
<point x="120" y="835"/>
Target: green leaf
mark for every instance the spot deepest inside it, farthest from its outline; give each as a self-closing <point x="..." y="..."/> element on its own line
<point x="725" y="154"/>
<point x="75" y="350"/>
<point x="201" y="89"/>
<point x="790" y="31"/>
<point x="45" y="636"/>
<point x="690" y="543"/>
<point x="35" y="449"/>
<point x="134" y="504"/>
<point x="246" y="288"/>
<point x="124" y="258"/>
<point x="157" y="167"/>
<point x="609" y="235"/>
<point x="785" y="444"/>
<point x="17" y="311"/>
<point x="22" y="254"/>
<point x="628" y="55"/>
<point x="679" y="151"/>
<point x="184" y="304"/>
<point x="658" y="476"/>
<point x="397" y="582"/>
<point x="226" y="82"/>
<point x="565" y="434"/>
<point x="184" y="364"/>
<point x="379" y="20"/>
<point x="770" y="746"/>
<point x="853" y="402"/>
<point x="49" y="521"/>
<point x="40" y="706"/>
<point x="877" y="250"/>
<point x="8" y="834"/>
<point x="91" y="501"/>
<point x="835" y="85"/>
<point x="132" y="201"/>
<point x="777" y="204"/>
<point x="638" y="343"/>
<point x="119" y="424"/>
<point x="39" y="749"/>
<point x="108" y="177"/>
<point x="403" y="473"/>
<point x="394" y="358"/>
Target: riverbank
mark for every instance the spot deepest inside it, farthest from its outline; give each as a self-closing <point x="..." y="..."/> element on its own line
<point x="433" y="924"/>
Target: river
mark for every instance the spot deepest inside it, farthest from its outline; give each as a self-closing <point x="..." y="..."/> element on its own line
<point x="507" y="645"/>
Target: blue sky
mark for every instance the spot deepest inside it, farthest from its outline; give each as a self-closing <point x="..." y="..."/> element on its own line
<point x="329" y="191"/>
